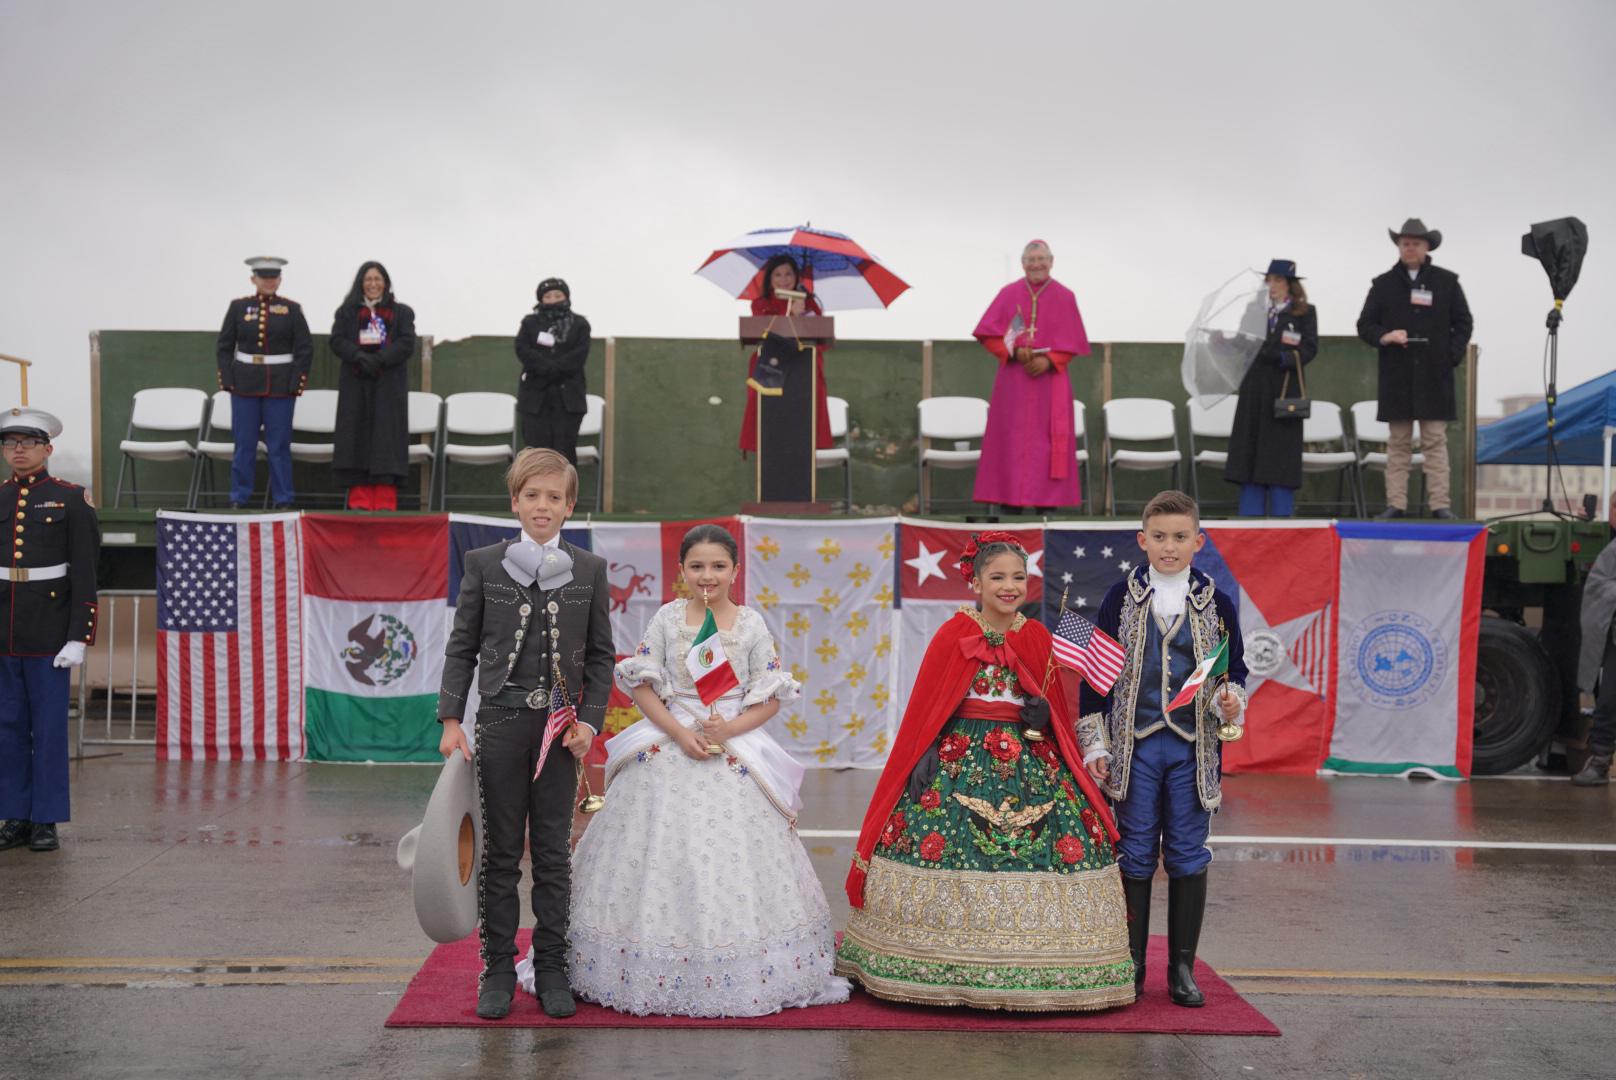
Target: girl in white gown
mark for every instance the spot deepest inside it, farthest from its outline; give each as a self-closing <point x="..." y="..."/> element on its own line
<point x="692" y="894"/>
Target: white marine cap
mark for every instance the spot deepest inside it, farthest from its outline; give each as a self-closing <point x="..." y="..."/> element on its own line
<point x="32" y="421"/>
<point x="268" y="265"/>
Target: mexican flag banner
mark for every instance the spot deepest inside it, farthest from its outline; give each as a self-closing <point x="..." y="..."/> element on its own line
<point x="1216" y="664"/>
<point x="374" y="632"/>
<point x="708" y="665"/>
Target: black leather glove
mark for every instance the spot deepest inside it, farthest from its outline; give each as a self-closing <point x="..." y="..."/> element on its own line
<point x="369" y="366"/>
<point x="1035" y="714"/>
<point x="925" y="772"/>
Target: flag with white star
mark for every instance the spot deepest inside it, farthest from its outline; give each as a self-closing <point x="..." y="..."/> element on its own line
<point x="229" y="637"/>
<point x="1281" y="581"/>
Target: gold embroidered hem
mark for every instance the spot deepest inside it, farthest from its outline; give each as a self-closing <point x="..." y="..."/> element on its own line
<point x="1020" y="940"/>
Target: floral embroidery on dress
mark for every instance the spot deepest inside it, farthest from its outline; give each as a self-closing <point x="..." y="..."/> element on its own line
<point x="932" y="847"/>
<point x="1070" y="849"/>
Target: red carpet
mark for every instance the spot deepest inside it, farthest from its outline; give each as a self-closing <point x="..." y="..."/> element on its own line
<point x="444" y="994"/>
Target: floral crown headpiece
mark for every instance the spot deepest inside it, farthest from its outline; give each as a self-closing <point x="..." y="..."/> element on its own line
<point x="967" y="562"/>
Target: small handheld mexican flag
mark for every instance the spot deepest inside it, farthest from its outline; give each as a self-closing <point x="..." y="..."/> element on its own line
<point x="1214" y="665"/>
<point x="708" y="665"/>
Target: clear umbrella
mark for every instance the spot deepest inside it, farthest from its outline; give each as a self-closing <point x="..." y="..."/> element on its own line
<point x="1223" y="341"/>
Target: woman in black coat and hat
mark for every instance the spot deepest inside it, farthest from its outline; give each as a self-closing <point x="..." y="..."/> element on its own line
<point x="1265" y="454"/>
<point x="552" y="346"/>
<point x="374" y="337"/>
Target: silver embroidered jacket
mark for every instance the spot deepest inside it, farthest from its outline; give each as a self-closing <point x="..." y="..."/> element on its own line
<point x="1108" y="722"/>
<point x="495" y="614"/>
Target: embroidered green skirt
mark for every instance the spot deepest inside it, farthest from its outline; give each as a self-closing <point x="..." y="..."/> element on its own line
<point x="997" y="888"/>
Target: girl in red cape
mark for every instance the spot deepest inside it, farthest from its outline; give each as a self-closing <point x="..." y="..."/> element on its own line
<point x="984" y="873"/>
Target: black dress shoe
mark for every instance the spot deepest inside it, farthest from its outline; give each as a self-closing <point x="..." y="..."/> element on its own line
<point x="44" y="838"/>
<point x="15" y="834"/>
<point x="557" y="1003"/>
<point x="1390" y="513"/>
<point x="494" y="1004"/>
<point x="1442" y="513"/>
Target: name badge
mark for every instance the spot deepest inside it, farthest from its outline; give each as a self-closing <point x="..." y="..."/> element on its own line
<point x="370" y="336"/>
<point x="1419" y="297"/>
<point x="1290" y="338"/>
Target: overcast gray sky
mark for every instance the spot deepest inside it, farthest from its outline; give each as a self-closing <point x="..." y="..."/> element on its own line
<point x="476" y="148"/>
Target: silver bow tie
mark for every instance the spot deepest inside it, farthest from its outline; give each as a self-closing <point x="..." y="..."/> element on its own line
<point x="528" y="562"/>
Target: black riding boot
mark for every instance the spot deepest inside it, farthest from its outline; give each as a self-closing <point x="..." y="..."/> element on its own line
<point x="1186" y="904"/>
<point x="1137" y="892"/>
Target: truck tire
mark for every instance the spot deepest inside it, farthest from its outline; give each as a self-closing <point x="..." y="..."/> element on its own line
<point x="1517" y="698"/>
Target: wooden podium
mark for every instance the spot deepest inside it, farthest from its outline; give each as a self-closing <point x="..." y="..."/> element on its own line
<point x="788" y="408"/>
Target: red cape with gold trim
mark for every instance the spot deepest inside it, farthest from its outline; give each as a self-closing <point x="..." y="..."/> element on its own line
<point x="951" y="662"/>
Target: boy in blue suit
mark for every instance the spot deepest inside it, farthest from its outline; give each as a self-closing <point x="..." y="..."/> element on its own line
<point x="1162" y="767"/>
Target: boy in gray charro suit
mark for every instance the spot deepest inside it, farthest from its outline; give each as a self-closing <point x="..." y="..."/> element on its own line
<point x="531" y="612"/>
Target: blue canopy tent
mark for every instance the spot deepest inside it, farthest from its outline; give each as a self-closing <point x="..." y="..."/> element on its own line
<point x="1584" y="423"/>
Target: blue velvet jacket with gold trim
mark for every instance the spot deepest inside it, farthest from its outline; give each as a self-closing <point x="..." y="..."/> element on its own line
<point x="1107" y="722"/>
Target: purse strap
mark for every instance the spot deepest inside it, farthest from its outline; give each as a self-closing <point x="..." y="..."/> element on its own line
<point x="1301" y="383"/>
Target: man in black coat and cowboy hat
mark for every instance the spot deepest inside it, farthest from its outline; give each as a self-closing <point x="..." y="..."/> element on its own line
<point x="1416" y="314"/>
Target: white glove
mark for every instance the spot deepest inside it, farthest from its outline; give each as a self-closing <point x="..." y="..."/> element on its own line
<point x="546" y="338"/>
<point x="72" y="655"/>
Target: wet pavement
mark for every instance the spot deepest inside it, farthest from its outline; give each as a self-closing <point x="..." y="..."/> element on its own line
<point x="248" y="920"/>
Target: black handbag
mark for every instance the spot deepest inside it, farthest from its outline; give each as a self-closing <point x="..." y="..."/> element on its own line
<point x="1293" y="408"/>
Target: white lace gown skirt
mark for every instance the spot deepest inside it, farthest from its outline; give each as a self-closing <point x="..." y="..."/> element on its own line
<point x="692" y="896"/>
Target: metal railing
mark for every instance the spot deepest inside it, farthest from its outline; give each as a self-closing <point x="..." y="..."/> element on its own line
<point x="119" y="614"/>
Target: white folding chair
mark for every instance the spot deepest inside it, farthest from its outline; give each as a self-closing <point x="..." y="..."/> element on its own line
<point x="1139" y="420"/>
<point x="591" y="454"/>
<point x="170" y="409"/>
<point x="1324" y="428"/>
<point x="212" y="448"/>
<point x="1367" y="429"/>
<point x="315" y="413"/>
<point x="839" y="454"/>
<point x="425" y="417"/>
<point x="960" y="420"/>
<point x="1209" y="422"/>
<point x="476" y="413"/>
<point x="1080" y="435"/>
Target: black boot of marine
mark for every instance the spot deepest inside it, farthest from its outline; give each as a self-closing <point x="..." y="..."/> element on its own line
<point x="1186" y="904"/>
<point x="1137" y="893"/>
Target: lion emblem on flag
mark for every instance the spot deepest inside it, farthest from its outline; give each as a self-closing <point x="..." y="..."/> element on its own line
<point x="380" y="656"/>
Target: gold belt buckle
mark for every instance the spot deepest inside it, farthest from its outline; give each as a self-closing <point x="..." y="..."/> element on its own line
<point x="19" y="573"/>
<point x="258" y="358"/>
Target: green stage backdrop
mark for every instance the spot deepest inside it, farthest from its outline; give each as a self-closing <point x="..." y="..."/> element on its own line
<point x="676" y="414"/>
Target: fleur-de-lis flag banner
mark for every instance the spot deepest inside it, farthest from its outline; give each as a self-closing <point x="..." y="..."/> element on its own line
<point x="825" y="590"/>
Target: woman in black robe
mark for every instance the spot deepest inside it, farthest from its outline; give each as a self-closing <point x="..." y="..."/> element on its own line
<point x="552" y="347"/>
<point x="1265" y="454"/>
<point x="374" y="337"/>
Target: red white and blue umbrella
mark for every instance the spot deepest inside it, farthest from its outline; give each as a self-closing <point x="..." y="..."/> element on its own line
<point x="843" y="275"/>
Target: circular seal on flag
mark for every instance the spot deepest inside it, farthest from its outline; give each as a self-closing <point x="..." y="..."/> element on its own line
<point x="1264" y="653"/>
<point x="1396" y="660"/>
<point x="705" y="656"/>
<point x="380" y="656"/>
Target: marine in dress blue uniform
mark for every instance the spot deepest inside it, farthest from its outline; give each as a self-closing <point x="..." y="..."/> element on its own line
<point x="264" y="354"/>
<point x="47" y="619"/>
<point x="1166" y="767"/>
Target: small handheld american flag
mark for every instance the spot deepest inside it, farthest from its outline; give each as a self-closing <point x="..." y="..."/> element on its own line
<point x="562" y="716"/>
<point x="1088" y="650"/>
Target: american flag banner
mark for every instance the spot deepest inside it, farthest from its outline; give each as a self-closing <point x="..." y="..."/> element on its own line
<point x="1088" y="650"/>
<point x="562" y="717"/>
<point x="229" y="637"/>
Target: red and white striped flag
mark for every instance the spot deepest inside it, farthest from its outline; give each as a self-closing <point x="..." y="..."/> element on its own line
<point x="229" y="652"/>
<point x="1087" y="650"/>
<point x="1311" y="652"/>
<point x="562" y="717"/>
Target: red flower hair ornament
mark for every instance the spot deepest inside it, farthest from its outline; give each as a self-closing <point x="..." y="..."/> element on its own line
<point x="967" y="562"/>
